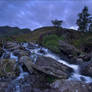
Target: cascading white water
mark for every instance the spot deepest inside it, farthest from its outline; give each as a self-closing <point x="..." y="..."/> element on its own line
<point x="21" y="76"/>
<point x="12" y="56"/>
<point x="15" y="84"/>
<point x="75" y="76"/>
<point x="34" y="53"/>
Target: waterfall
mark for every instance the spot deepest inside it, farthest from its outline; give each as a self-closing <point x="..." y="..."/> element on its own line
<point x="76" y="74"/>
<point x="17" y="85"/>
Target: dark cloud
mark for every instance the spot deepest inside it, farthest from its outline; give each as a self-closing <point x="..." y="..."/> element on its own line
<point x="36" y="13"/>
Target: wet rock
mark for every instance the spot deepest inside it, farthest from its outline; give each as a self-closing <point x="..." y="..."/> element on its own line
<point x="27" y="62"/>
<point x="90" y="87"/>
<point x="31" y="45"/>
<point x="20" y="53"/>
<point x="57" y="86"/>
<point x="8" y="68"/>
<point x="12" y="46"/>
<point x="79" y="60"/>
<point x="86" y="68"/>
<point x="70" y="86"/>
<point x="6" y="56"/>
<point x="69" y="52"/>
<point x="3" y="86"/>
<point x="52" y="67"/>
<point x="48" y="66"/>
<point x="42" y="51"/>
<point x="68" y="49"/>
<point x="86" y="57"/>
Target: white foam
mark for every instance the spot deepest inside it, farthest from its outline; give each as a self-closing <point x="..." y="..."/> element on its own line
<point x="22" y="75"/>
<point x="12" y="56"/>
<point x="75" y="76"/>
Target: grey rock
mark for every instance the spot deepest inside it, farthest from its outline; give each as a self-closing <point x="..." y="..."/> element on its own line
<point x="48" y="66"/>
<point x="70" y="86"/>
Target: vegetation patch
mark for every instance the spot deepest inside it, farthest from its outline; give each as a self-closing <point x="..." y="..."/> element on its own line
<point x="51" y="41"/>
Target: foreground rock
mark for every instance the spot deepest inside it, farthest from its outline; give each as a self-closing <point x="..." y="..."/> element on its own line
<point x="3" y="86"/>
<point x="8" y="68"/>
<point x="71" y="86"/>
<point x="44" y="86"/>
<point x="48" y="66"/>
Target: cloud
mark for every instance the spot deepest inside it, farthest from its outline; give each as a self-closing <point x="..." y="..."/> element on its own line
<point x="36" y="13"/>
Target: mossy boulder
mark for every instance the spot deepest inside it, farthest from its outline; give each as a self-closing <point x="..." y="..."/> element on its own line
<point x="8" y="68"/>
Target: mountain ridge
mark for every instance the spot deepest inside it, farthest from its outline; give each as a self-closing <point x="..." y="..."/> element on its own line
<point x="10" y="31"/>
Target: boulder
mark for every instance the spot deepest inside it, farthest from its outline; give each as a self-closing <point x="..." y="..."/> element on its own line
<point x="8" y="68"/>
<point x="79" y="60"/>
<point x="27" y="62"/>
<point x="42" y="51"/>
<point x="12" y="46"/>
<point x="57" y="86"/>
<point x="70" y="86"/>
<point x="48" y="66"/>
<point x="20" y="53"/>
<point x="6" y="55"/>
<point x="3" y="86"/>
<point x="68" y="49"/>
<point x="86" y="68"/>
<point x="32" y="45"/>
<point x="85" y="57"/>
<point x="69" y="52"/>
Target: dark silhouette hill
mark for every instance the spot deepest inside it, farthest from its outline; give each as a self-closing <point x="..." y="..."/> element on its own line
<point x="10" y="31"/>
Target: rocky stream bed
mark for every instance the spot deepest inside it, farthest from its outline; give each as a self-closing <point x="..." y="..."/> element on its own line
<point x="28" y="67"/>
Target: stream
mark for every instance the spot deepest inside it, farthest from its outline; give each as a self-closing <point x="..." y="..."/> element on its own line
<point x="75" y="76"/>
<point x="19" y="83"/>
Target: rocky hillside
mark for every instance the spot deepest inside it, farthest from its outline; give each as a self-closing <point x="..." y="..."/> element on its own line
<point x="49" y="37"/>
<point x="80" y="40"/>
<point x="71" y="44"/>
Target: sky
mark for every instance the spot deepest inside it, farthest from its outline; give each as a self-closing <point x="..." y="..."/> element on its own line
<point x="33" y="14"/>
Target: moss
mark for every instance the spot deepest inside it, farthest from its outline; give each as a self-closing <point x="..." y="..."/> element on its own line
<point x="62" y="38"/>
<point x="51" y="79"/>
<point x="51" y="42"/>
<point x="8" y="68"/>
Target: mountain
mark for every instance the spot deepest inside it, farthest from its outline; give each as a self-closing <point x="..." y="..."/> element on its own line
<point x="12" y="31"/>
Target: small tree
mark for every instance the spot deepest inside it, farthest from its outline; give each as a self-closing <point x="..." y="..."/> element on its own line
<point x="83" y="20"/>
<point x="57" y="23"/>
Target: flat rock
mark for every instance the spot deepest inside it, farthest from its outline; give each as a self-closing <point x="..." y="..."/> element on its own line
<point x="12" y="46"/>
<point x="48" y="66"/>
